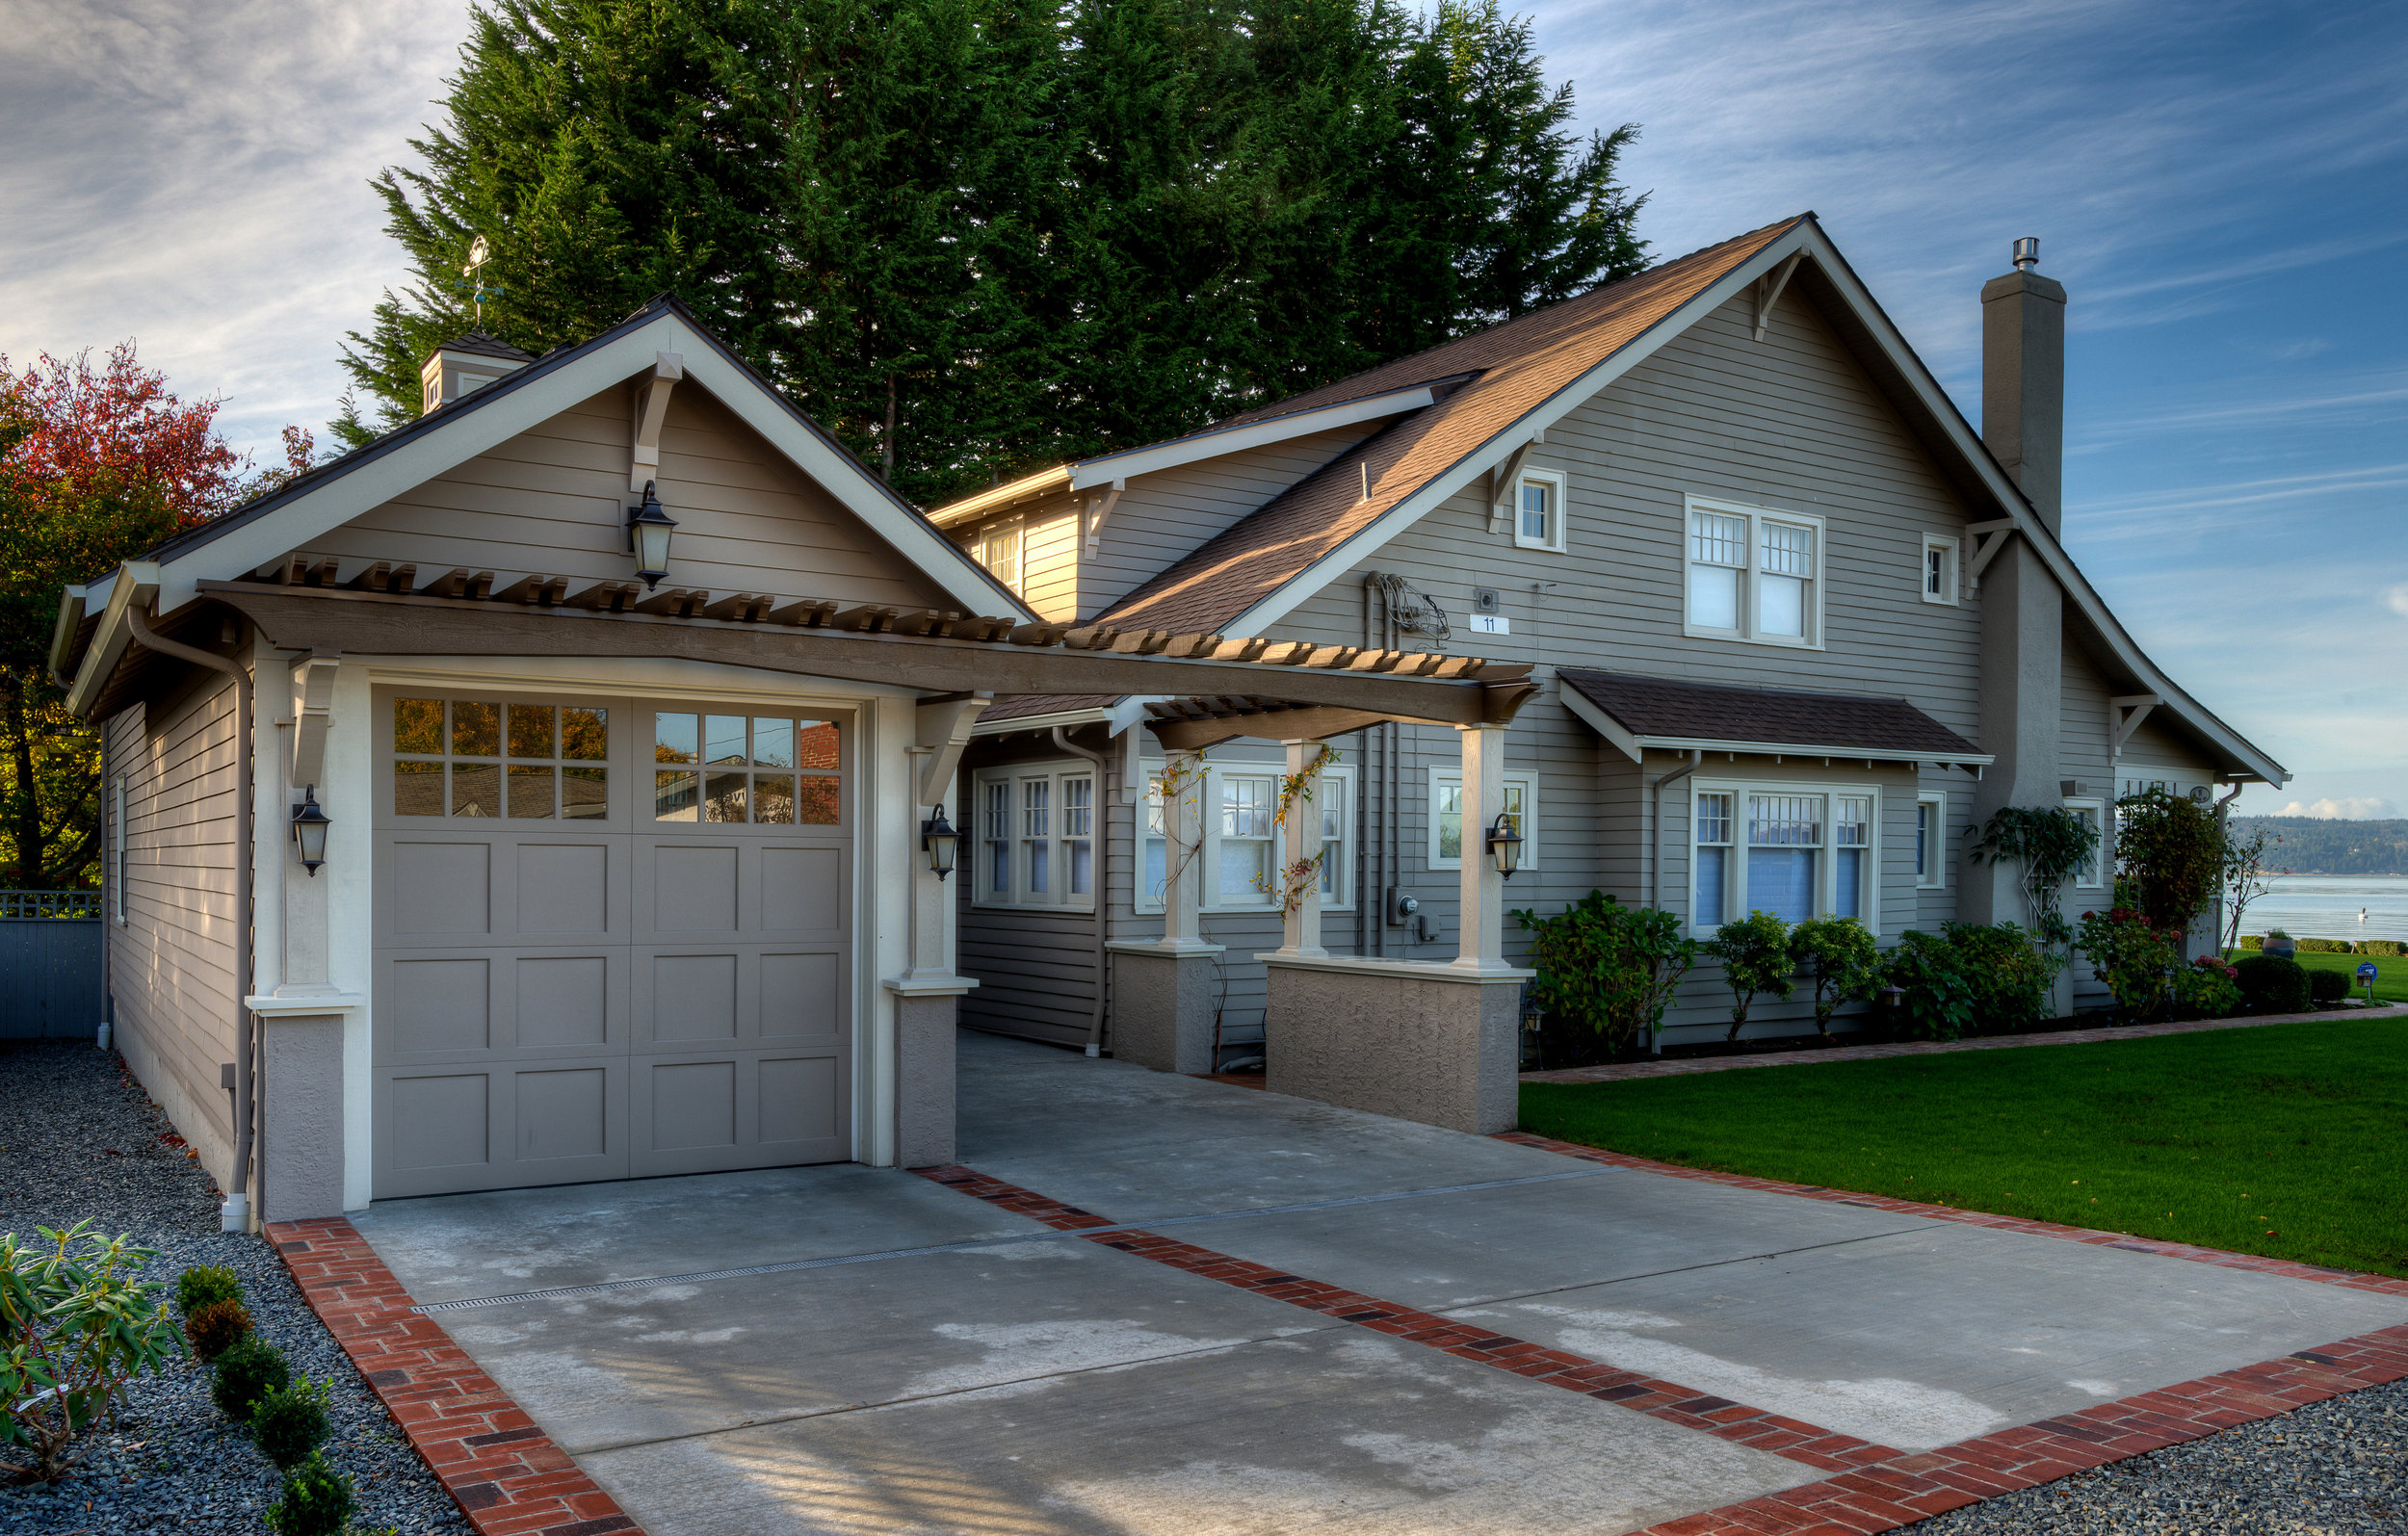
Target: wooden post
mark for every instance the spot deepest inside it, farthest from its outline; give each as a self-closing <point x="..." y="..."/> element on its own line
<point x="1479" y="924"/>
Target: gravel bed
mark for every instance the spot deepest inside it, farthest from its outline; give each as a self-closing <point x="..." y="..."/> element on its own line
<point x="79" y="1138"/>
<point x="2336" y="1467"/>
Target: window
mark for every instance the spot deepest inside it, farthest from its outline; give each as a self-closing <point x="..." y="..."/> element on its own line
<point x="1809" y="853"/>
<point x="2087" y="875"/>
<point x="997" y="549"/>
<point x="763" y="768"/>
<point x="1754" y="575"/>
<point x="1036" y="836"/>
<point x="116" y="848"/>
<point x="1938" y="569"/>
<point x="475" y="759"/>
<point x="1538" y="515"/>
<point x="1931" y="825"/>
<point x="1240" y="842"/>
<point x="1447" y="816"/>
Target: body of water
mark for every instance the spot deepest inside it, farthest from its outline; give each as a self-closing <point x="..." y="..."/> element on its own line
<point x="2325" y="906"/>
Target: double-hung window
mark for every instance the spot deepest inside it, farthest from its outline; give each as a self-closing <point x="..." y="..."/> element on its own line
<point x="1248" y="849"/>
<point x="997" y="549"/>
<point x="1932" y="822"/>
<point x="1036" y="836"/>
<point x="1939" y="573"/>
<point x="2089" y="874"/>
<point x="1538" y="514"/>
<point x="1240" y="853"/>
<point x="1796" y="851"/>
<point x="1754" y="575"/>
<point x="1447" y="817"/>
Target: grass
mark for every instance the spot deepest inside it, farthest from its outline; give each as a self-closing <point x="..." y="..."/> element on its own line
<point x="2390" y="972"/>
<point x="2287" y="1140"/>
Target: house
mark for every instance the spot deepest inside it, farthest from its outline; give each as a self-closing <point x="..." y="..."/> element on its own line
<point x="554" y="790"/>
<point x="570" y="785"/>
<point x="1796" y="628"/>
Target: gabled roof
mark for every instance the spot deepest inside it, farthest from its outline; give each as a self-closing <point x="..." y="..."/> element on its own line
<point x="1638" y="713"/>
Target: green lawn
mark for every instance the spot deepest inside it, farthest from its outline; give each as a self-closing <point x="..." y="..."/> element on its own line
<point x="2390" y="972"/>
<point x="2288" y="1139"/>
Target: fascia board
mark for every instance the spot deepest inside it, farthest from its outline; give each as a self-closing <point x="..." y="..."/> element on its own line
<point x="1040" y="722"/>
<point x="1135" y="461"/>
<point x="1369" y="540"/>
<point x="62" y="628"/>
<point x="1028" y="487"/>
<point x="136" y="583"/>
<point x="1606" y="725"/>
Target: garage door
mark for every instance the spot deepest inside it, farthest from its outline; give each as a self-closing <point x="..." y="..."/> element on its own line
<point x="612" y="939"/>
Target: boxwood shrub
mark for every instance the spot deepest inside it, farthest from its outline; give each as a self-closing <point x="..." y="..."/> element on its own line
<point x="2323" y="946"/>
<point x="2382" y="946"/>
<point x="2328" y="986"/>
<point x="2273" y="983"/>
<point x="246" y="1372"/>
<point x="2253" y="940"/>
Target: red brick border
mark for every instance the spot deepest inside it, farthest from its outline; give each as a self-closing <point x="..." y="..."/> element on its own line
<point x="2224" y="1258"/>
<point x="506" y="1474"/>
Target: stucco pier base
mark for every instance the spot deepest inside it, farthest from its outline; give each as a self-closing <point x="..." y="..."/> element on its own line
<point x="301" y="1130"/>
<point x="1425" y="1042"/>
<point x="925" y="1014"/>
<point x="1162" y="999"/>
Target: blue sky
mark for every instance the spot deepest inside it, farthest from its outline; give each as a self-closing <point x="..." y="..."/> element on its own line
<point x="2222" y="187"/>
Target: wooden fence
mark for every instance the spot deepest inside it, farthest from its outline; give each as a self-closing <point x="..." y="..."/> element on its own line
<point x="49" y="964"/>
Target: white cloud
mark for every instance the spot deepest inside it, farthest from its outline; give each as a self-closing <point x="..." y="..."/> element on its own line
<point x="2397" y="599"/>
<point x="2350" y="808"/>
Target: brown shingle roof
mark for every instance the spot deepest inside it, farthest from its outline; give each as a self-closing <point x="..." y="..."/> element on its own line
<point x="1519" y="366"/>
<point x="1664" y="708"/>
<point x="482" y="343"/>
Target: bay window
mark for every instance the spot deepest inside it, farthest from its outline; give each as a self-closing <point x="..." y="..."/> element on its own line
<point x="1793" y="850"/>
<point x="1753" y="575"/>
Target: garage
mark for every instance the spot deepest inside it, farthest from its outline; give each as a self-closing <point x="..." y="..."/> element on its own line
<point x="613" y="938"/>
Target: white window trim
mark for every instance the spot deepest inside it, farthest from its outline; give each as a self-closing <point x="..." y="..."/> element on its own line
<point x="1827" y="868"/>
<point x="1016" y="530"/>
<point x="1935" y="874"/>
<point x="1452" y="777"/>
<point x="1952" y="583"/>
<point x="1757" y="517"/>
<point x="1556" y="482"/>
<point x="2098" y="881"/>
<point x="1053" y="770"/>
<point x="1337" y="780"/>
<point x="116" y="849"/>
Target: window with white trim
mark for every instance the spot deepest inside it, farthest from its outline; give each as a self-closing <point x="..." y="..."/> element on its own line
<point x="1036" y="836"/>
<point x="1538" y="512"/>
<point x="1241" y="841"/>
<point x="1798" y="851"/>
<point x="2090" y="874"/>
<point x="116" y="849"/>
<point x="999" y="550"/>
<point x="1753" y="575"/>
<point x="1939" y="573"/>
<point x="1446" y="818"/>
<point x="1931" y="854"/>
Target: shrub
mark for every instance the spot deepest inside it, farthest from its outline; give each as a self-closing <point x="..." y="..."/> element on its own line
<point x="2382" y="946"/>
<point x="290" y="1423"/>
<point x="217" y="1328"/>
<point x="2327" y="986"/>
<point x="2171" y="851"/>
<point x="2008" y="979"/>
<point x="203" y="1285"/>
<point x="2206" y="989"/>
<point x="317" y="1502"/>
<point x="245" y="1373"/>
<point x="1608" y="967"/>
<point x="2324" y="945"/>
<point x="2253" y="940"/>
<point x="1755" y="955"/>
<point x="2278" y="933"/>
<point x="1840" y="956"/>
<point x="2130" y="957"/>
<point x="73" y="1329"/>
<point x="1937" y="1002"/>
<point x="2273" y="983"/>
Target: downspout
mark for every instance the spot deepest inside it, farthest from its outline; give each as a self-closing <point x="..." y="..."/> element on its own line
<point x="1653" y="808"/>
<point x="244" y="1110"/>
<point x="1098" y="838"/>
<point x="2223" y="836"/>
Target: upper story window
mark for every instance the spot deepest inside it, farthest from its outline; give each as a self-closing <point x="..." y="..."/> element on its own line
<point x="1754" y="575"/>
<point x="1036" y="836"/>
<point x="1939" y="568"/>
<point x="1538" y="517"/>
<point x="1795" y="852"/>
<point x="999" y="550"/>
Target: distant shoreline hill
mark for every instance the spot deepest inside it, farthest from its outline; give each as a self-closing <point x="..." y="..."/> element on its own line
<point x="2315" y="846"/>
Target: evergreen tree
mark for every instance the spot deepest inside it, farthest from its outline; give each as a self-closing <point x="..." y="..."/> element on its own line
<point x="972" y="237"/>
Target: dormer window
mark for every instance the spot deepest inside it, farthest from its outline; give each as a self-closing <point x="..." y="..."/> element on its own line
<point x="997" y="549"/>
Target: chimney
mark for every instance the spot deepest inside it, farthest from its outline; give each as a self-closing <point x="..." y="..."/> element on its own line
<point x="2023" y="380"/>
<point x="462" y="365"/>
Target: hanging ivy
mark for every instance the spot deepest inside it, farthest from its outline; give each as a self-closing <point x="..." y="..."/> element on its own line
<point x="1297" y="880"/>
<point x="2051" y="844"/>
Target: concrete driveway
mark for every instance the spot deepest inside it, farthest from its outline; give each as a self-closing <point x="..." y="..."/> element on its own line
<point x="843" y="1349"/>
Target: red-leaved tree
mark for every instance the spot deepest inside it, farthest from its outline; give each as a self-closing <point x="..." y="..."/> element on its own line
<point x="97" y="464"/>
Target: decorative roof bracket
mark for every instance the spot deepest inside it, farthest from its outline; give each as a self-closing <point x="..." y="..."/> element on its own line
<point x="652" y="409"/>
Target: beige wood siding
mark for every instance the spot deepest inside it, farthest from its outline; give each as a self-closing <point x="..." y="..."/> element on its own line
<point x="172" y="964"/>
<point x="554" y="499"/>
<point x="1049" y="564"/>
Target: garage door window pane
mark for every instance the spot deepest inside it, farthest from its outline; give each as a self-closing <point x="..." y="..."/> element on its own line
<point x="585" y="793"/>
<point x="476" y="729"/>
<point x="531" y="793"/>
<point x="531" y="731"/>
<point x="585" y="734"/>
<point x="676" y="797"/>
<point x="677" y="738"/>
<point x="722" y="738"/>
<point x="417" y="789"/>
<point x="724" y="798"/>
<point x="476" y="788"/>
<point x="815" y="745"/>
<point x="773" y="798"/>
<point x="816" y="801"/>
<point x="418" y="725"/>
<point x="773" y="744"/>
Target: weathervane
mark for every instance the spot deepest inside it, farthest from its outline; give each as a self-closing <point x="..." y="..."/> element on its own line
<point x="479" y="253"/>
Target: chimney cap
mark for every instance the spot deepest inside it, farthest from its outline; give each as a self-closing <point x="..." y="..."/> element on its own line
<point x="2026" y="252"/>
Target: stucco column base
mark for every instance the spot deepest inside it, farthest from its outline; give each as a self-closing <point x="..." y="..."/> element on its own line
<point x="1419" y="1042"/>
<point x="301" y="1116"/>
<point x="924" y="1073"/>
<point x="1162" y="1000"/>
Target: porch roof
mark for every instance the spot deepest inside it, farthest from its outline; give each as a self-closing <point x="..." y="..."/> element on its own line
<point x="1637" y="712"/>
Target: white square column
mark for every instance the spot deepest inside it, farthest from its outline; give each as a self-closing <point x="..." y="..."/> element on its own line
<point x="1183" y="828"/>
<point x="1300" y="841"/>
<point x="1479" y="933"/>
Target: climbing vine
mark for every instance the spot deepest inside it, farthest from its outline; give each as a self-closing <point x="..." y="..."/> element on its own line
<point x="1297" y="880"/>
<point x="2051" y="844"/>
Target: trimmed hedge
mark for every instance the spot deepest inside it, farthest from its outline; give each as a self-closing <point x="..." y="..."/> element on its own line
<point x="2273" y="983"/>
<point x="2382" y="946"/>
<point x="2328" y="986"/>
<point x="2253" y="940"/>
<point x="2323" y="946"/>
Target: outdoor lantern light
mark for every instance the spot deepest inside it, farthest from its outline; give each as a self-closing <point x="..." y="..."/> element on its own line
<point x="938" y="836"/>
<point x="648" y="529"/>
<point x="310" y="831"/>
<point x="1504" y="846"/>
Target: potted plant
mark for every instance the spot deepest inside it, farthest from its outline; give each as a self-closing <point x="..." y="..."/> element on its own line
<point x="2277" y="942"/>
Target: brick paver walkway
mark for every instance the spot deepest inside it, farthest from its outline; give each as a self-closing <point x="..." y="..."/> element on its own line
<point x="1623" y="1071"/>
